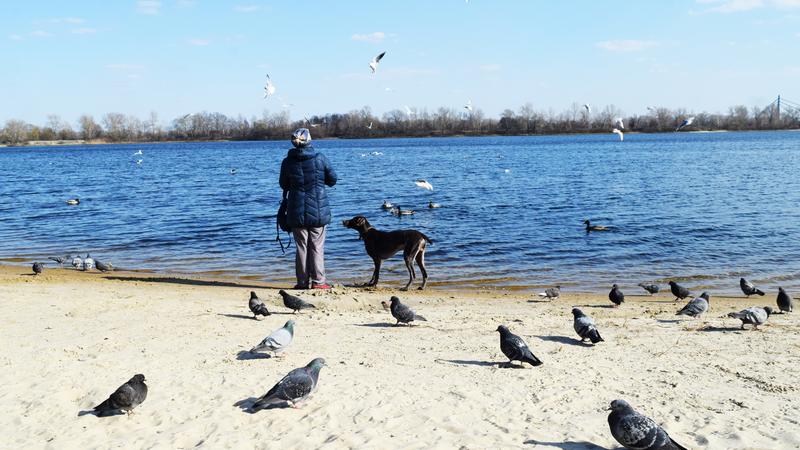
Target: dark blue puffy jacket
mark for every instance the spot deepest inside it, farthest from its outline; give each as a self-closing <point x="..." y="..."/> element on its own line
<point x="304" y="173"/>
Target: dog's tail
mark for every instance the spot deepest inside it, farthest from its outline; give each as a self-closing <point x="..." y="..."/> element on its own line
<point x="427" y="239"/>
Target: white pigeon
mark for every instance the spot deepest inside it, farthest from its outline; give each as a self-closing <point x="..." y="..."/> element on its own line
<point x="688" y="121"/>
<point x="369" y="126"/>
<point x="423" y="184"/>
<point x="619" y="133"/>
<point x="277" y="341"/>
<point x="588" y="108"/>
<point x="618" y="122"/>
<point x="269" y="88"/>
<point x="468" y="106"/>
<point x="373" y="66"/>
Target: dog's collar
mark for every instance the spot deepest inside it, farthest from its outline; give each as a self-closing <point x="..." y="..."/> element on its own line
<point x="361" y="235"/>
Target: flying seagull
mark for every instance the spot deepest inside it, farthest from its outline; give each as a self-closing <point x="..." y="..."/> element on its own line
<point x="686" y="122"/>
<point x="409" y="112"/>
<point x="369" y="127"/>
<point x="618" y="133"/>
<point x="588" y="108"/>
<point x="373" y="66"/>
<point x="619" y="123"/>
<point x="423" y="184"/>
<point x="468" y="106"/>
<point x="269" y="88"/>
<point x="308" y="121"/>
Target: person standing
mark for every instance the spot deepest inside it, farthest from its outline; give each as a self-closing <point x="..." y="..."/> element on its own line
<point x="304" y="175"/>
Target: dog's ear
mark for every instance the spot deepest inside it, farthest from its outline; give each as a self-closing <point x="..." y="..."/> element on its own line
<point x="359" y="221"/>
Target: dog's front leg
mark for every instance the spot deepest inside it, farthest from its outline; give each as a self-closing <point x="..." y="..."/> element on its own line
<point x="376" y="273"/>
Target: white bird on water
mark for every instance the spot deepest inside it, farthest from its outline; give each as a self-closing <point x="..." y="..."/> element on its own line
<point x="423" y="184"/>
<point x="269" y="88"/>
<point x="373" y="66"/>
<point x="619" y="133"/>
<point x="688" y="121"/>
<point x="468" y="106"/>
<point x="139" y="161"/>
<point x="618" y="122"/>
<point x="138" y="153"/>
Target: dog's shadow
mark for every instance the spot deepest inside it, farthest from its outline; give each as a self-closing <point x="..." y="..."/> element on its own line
<point x="245" y="355"/>
<point x="565" y="340"/>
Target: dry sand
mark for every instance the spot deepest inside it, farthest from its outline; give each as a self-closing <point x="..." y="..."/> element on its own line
<point x="69" y="339"/>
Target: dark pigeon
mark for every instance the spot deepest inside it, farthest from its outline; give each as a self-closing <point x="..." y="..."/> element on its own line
<point x="125" y="398"/>
<point x="785" y="303"/>
<point x="402" y="312"/>
<point x="38" y="268"/>
<point x="293" y="302"/>
<point x="60" y="260"/>
<point x="585" y="326"/>
<point x="103" y="267"/>
<point x="754" y="316"/>
<point x="616" y="296"/>
<point x="696" y="307"/>
<point x="515" y="348"/>
<point x="749" y="288"/>
<point x="680" y="292"/>
<point x="552" y="293"/>
<point x="650" y="288"/>
<point x="293" y="388"/>
<point x="637" y="432"/>
<point x="257" y="307"/>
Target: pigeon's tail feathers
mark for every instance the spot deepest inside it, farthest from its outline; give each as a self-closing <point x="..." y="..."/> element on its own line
<point x="262" y="309"/>
<point x="309" y="305"/>
<point x="736" y="315"/>
<point x="418" y="317"/>
<point x="543" y="294"/>
<point x="677" y="446"/>
<point x="533" y="360"/>
<point x="760" y="292"/>
<point x="595" y="337"/>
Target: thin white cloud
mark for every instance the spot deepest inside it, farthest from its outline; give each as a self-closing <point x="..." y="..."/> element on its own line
<point x="375" y="37"/>
<point x="70" y="20"/>
<point x="629" y="45"/>
<point x="124" y="66"/>
<point x="246" y="8"/>
<point x="490" y="68"/>
<point x="186" y="3"/>
<point x="150" y="7"/>
<point x="15" y="37"/>
<point x="198" y="42"/>
<point x="735" y="6"/>
<point x="84" y="31"/>
<point x="40" y="33"/>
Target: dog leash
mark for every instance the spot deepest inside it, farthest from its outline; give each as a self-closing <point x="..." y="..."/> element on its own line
<point x="278" y="233"/>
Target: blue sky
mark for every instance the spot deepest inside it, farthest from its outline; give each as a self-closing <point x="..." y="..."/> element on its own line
<point x="181" y="56"/>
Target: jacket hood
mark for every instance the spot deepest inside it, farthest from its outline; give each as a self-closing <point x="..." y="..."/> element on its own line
<point x="302" y="153"/>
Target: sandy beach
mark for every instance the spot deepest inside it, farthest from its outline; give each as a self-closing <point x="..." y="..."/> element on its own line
<point x="71" y="338"/>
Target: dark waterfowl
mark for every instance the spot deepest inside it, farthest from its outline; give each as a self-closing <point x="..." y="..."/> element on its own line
<point x="590" y="227"/>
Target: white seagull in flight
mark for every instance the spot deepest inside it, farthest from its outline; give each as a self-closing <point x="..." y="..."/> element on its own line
<point x="424" y="184"/>
<point x="588" y="108"/>
<point x="313" y="125"/>
<point x="409" y="112"/>
<point x="369" y="126"/>
<point x="618" y="122"/>
<point x="688" y="121"/>
<point x="374" y="64"/>
<point x="468" y="106"/>
<point x="617" y="132"/>
<point x="269" y="88"/>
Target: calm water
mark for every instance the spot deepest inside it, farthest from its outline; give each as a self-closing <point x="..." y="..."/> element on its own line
<point x="705" y="208"/>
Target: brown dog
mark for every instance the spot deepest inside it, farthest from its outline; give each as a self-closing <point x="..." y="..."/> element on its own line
<point x="382" y="245"/>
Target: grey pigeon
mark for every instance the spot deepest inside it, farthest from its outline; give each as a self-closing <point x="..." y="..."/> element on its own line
<point x="650" y="288"/>
<point x="103" y="267"/>
<point x="785" y="303"/>
<point x="38" y="268"/>
<point x="402" y="312"/>
<point x="754" y="316"/>
<point x="77" y="263"/>
<point x="551" y="294"/>
<point x="680" y="292"/>
<point x="125" y="398"/>
<point x="616" y="296"/>
<point x="749" y="288"/>
<point x="515" y="348"/>
<point x="257" y="306"/>
<point x="278" y="340"/>
<point x="696" y="307"/>
<point x="60" y="260"/>
<point x="636" y="431"/>
<point x="293" y="388"/>
<point x="88" y="263"/>
<point x="585" y="326"/>
<point x="293" y="302"/>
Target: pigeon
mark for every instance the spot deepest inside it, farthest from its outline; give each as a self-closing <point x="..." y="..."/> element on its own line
<point x="293" y="302"/>
<point x="38" y="268"/>
<point x="651" y="288"/>
<point x="403" y="313"/>
<point x="77" y="263"/>
<point x="60" y="260"/>
<point x="619" y="123"/>
<point x="293" y="388"/>
<point x="423" y="184"/>
<point x="278" y="340"/>
<point x="686" y="122"/>
<point x="74" y="201"/>
<point x="680" y="292"/>
<point x="373" y="65"/>
<point x="88" y="263"/>
<point x="637" y="432"/>
<point x="552" y="293"/>
<point x="754" y="316"/>
<point x="104" y="267"/>
<point x="468" y="106"/>
<point x="749" y="288"/>
<point x="616" y="296"/>
<point x="696" y="307"/>
<point x="619" y="133"/>
<point x="125" y="398"/>
<point x="784" y="301"/>
<point x="515" y="348"/>
<point x="269" y="88"/>
<point x="257" y="306"/>
<point x="590" y="227"/>
<point x="585" y="327"/>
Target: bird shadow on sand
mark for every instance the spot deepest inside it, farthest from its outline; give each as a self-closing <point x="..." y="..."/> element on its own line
<point x="92" y="412"/>
<point x="468" y="362"/>
<point x="244" y="316"/>
<point x="192" y="282"/>
<point x="596" y="306"/>
<point x="565" y="340"/>
<point x="245" y="355"/>
<point x="540" y="301"/>
<point x="712" y="328"/>
<point x="246" y="405"/>
<point x="569" y="445"/>
<point x="669" y="320"/>
<point x="377" y="325"/>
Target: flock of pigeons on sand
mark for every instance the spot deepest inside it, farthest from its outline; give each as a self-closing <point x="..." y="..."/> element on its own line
<point x="83" y="264"/>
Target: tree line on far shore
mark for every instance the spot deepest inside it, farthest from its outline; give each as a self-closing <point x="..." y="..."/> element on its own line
<point x="117" y="127"/>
